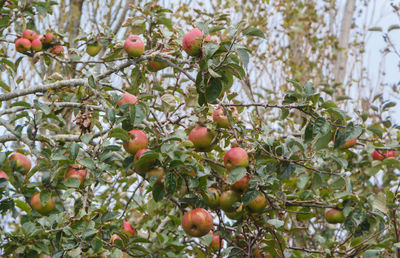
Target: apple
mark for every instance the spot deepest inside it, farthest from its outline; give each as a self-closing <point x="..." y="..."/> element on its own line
<point x="128" y="230"/>
<point x="23" y="45"/>
<point x="127" y="98"/>
<point x="57" y="50"/>
<point x="160" y="172"/>
<point x="228" y="199"/>
<point x="334" y="216"/>
<point x="378" y="155"/>
<point x="155" y="66"/>
<point x="28" y="34"/>
<point x="220" y="118"/>
<point x="145" y="167"/>
<point x="192" y="42"/>
<point x="93" y="48"/>
<point x="3" y="175"/>
<point x="76" y="171"/>
<point x="201" y="138"/>
<point x="241" y="185"/>
<point x="134" y="46"/>
<point x="38" y="206"/>
<point x="258" y="204"/>
<point x="237" y="214"/>
<point x="197" y="222"/>
<point x="212" y="198"/>
<point x="48" y="38"/>
<point x="138" y="140"/>
<point x="215" y="243"/>
<point x="115" y="237"/>
<point x="36" y="44"/>
<point x="236" y="157"/>
<point x="21" y="161"/>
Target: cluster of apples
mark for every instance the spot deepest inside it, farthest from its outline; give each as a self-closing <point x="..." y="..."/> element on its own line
<point x="33" y="41"/>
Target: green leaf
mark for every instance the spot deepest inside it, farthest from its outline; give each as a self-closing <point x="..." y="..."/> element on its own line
<point x="96" y="244"/>
<point x="244" y="56"/>
<point x="236" y="174"/>
<point x="4" y="86"/>
<point x="45" y="196"/>
<point x="210" y="49"/>
<point x="92" y="82"/>
<point x="213" y="90"/>
<point x="23" y="206"/>
<point x="376" y="129"/>
<point x="71" y="182"/>
<point x="323" y="141"/>
<point x="171" y="182"/>
<point x="340" y="138"/>
<point x="158" y="192"/>
<point x="254" y="32"/>
<point x="388" y="105"/>
<point x="249" y="196"/>
<point x="74" y="150"/>
<point x="287" y="170"/>
<point x="89" y="232"/>
<point x="119" y="133"/>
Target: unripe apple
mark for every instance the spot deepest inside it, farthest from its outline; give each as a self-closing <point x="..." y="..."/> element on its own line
<point x="160" y="172"/>
<point x="228" y="199"/>
<point x="145" y="167"/>
<point x="221" y="118"/>
<point x="57" y="50"/>
<point x="28" y="34"/>
<point x="23" y="45"/>
<point x="212" y="198"/>
<point x="201" y="138"/>
<point x="38" y="206"/>
<point x="115" y="237"/>
<point x="3" y="175"/>
<point x="197" y="222"/>
<point x="334" y="216"/>
<point x="36" y="45"/>
<point x="236" y="157"/>
<point x="192" y="42"/>
<point x="155" y="66"/>
<point x="127" y="98"/>
<point x="215" y="244"/>
<point x="77" y="171"/>
<point x="128" y="229"/>
<point x="134" y="46"/>
<point x="378" y="155"/>
<point x="258" y="204"/>
<point x="241" y="185"/>
<point x="93" y="48"/>
<point x="21" y="161"/>
<point x="48" y="38"/>
<point x="349" y="143"/>
<point x="138" y="140"/>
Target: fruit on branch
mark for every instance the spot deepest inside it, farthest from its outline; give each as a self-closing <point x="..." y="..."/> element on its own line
<point x="192" y="42"/>
<point x="93" y="48"/>
<point x="3" y="174"/>
<point x="127" y="98"/>
<point x="144" y="167"/>
<point x="21" y="162"/>
<point x="215" y="243"/>
<point x="258" y="204"/>
<point x="77" y="171"/>
<point x="201" y="138"/>
<point x="48" y="38"/>
<point x="57" y="50"/>
<point x="241" y="185"/>
<point x="212" y="198"/>
<point x="138" y="140"/>
<point x="115" y="237"/>
<point x="160" y="172"/>
<point x="28" y="34"/>
<point x="236" y="157"/>
<point x="379" y="155"/>
<point x="197" y="222"/>
<point x="155" y="66"/>
<point x="228" y="199"/>
<point x="134" y="46"/>
<point x="36" y="44"/>
<point x="237" y="214"/>
<point x="23" y="45"/>
<point x="334" y="216"/>
<point x="128" y="229"/>
<point x="221" y="119"/>
<point x="42" y="208"/>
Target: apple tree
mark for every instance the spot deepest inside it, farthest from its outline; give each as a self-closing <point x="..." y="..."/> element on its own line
<point x="135" y="140"/>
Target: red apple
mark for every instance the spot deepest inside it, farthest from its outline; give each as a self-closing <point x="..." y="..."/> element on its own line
<point x="221" y="118"/>
<point x="334" y="216"/>
<point x="38" y="206"/>
<point x="48" y="38"/>
<point x="160" y="172"/>
<point x="77" y="171"/>
<point x="201" y="138"/>
<point x="155" y="66"/>
<point x="258" y="204"/>
<point x="28" y="34"/>
<point x="128" y="229"/>
<point x="36" y="45"/>
<point x="145" y="167"/>
<point x="138" y="140"/>
<point x="93" y="48"/>
<point x="379" y="155"/>
<point x="215" y="244"/>
<point x="212" y="198"/>
<point x="193" y="40"/>
<point x="57" y="50"/>
<point x="115" y="237"/>
<point x="3" y="175"/>
<point x="228" y="199"/>
<point x="134" y="46"/>
<point x="241" y="185"/>
<point x="23" y="45"/>
<point x="127" y="98"/>
<point x="197" y="222"/>
<point x="236" y="157"/>
<point x="21" y="161"/>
